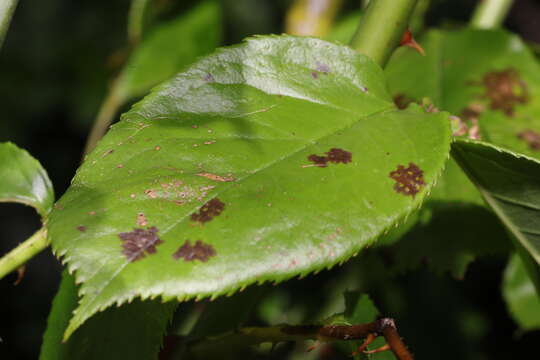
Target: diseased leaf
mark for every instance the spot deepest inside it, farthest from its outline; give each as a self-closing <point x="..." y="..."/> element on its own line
<point x="170" y="47"/>
<point x="521" y="296"/>
<point x="255" y="115"/>
<point x="487" y="77"/>
<point x="510" y="185"/>
<point x="23" y="180"/>
<point x="133" y="331"/>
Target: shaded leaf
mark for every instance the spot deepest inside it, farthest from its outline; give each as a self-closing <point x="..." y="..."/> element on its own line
<point x="447" y="238"/>
<point x="254" y="113"/>
<point x="510" y="185"/>
<point x="133" y="331"/>
<point x="520" y="295"/>
<point x="170" y="47"/>
<point x="23" y="180"/>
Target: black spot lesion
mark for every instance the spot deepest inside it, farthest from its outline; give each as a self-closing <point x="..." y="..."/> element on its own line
<point x="199" y="251"/>
<point x="409" y="180"/>
<point x="208" y="211"/>
<point x="335" y="156"/>
<point x="138" y="243"/>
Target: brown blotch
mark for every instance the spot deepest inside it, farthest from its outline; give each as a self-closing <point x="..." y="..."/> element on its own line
<point x="139" y="242"/>
<point x="314" y="74"/>
<point x="208" y="211"/>
<point x="81" y="228"/>
<point x="209" y="78"/>
<point x="199" y="251"/>
<point x="216" y="177"/>
<point x="531" y="137"/>
<point x="335" y="156"/>
<point x="409" y="180"/>
<point x="402" y="101"/>
<point x="318" y="160"/>
<point x="505" y="89"/>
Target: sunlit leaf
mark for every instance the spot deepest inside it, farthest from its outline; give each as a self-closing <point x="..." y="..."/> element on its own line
<point x="271" y="159"/>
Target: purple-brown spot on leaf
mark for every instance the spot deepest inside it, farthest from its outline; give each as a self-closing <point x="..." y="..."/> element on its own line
<point x="318" y="160"/>
<point x="505" y="89"/>
<point x="209" y="78"/>
<point x="337" y="156"/>
<point x="531" y="137"/>
<point x="314" y="74"/>
<point x="208" y="211"/>
<point x="409" y="180"/>
<point x="199" y="251"/>
<point x="139" y="243"/>
<point x="81" y="228"/>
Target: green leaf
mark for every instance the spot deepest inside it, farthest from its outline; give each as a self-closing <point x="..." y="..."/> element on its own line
<point x="23" y="180"/>
<point x="490" y="72"/>
<point x="521" y="296"/>
<point x="133" y="331"/>
<point x="169" y="48"/>
<point x="509" y="184"/>
<point x="228" y="141"/>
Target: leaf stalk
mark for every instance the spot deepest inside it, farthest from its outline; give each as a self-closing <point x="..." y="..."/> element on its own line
<point x="24" y="252"/>
<point x="7" y="8"/>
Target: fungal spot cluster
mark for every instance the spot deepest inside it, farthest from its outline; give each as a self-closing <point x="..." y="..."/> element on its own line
<point x="504" y="90"/>
<point x="409" y="181"/>
<point x="198" y="251"/>
<point x="470" y="125"/>
<point x="208" y="211"/>
<point x="140" y="242"/>
<point x="335" y="156"/>
<point x="531" y="137"/>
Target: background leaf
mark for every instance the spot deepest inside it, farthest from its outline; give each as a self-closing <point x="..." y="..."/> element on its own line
<point x="23" y="180"/>
<point x="231" y="137"/>
<point x="170" y="47"/>
<point x="132" y="331"/>
<point x="520" y="295"/>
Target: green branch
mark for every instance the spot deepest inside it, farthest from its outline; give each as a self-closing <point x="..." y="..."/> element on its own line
<point x="7" y="7"/>
<point x="490" y="14"/>
<point x="24" y="252"/>
<point x="382" y="27"/>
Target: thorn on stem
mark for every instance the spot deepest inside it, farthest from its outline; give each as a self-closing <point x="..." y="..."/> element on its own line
<point x="408" y="40"/>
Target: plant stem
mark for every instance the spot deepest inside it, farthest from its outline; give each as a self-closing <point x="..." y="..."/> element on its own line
<point x="104" y="118"/>
<point x="210" y="347"/>
<point x="7" y="7"/>
<point x="136" y="20"/>
<point x="24" y="252"/>
<point x="381" y="28"/>
<point x="311" y="17"/>
<point x="490" y="14"/>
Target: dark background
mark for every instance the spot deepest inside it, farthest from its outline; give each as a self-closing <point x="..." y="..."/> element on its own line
<point x="55" y="67"/>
